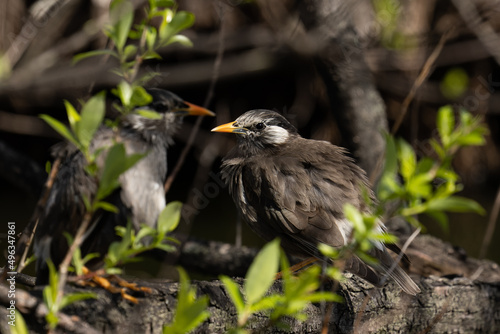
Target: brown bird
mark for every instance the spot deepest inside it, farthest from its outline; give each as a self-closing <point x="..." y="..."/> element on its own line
<point x="295" y="188"/>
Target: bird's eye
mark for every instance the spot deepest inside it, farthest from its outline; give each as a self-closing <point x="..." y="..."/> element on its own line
<point x="260" y="126"/>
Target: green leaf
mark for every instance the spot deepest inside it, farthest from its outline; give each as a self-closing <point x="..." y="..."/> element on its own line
<point x="61" y="129"/>
<point x="445" y="124"/>
<point x="355" y="217"/>
<point x="114" y="271"/>
<point x="75" y="297"/>
<point x="391" y="162"/>
<point x="91" y="118"/>
<point x="180" y="21"/>
<point x="260" y="275"/>
<point x="181" y="39"/>
<point x="471" y="139"/>
<point x="420" y="185"/>
<point x="94" y="53"/>
<point x="384" y="237"/>
<point x="454" y="83"/>
<point x="161" y="3"/>
<point x="145" y="231"/>
<point x="130" y="51"/>
<point x="20" y="327"/>
<point x="106" y="206"/>
<point x="117" y="162"/>
<point x="407" y="159"/>
<point x="140" y="97"/>
<point x="166" y="248"/>
<point x="73" y="116"/>
<point x="191" y="311"/>
<point x="124" y="92"/>
<point x="328" y="251"/>
<point x="150" y="114"/>
<point x="150" y="54"/>
<point x="151" y="37"/>
<point x="234" y="293"/>
<point x="89" y="257"/>
<point x="169" y="217"/>
<point x="122" y="15"/>
<point x="324" y="296"/>
<point x="455" y="204"/>
<point x="438" y="148"/>
<point x="53" y="280"/>
<point x="424" y="165"/>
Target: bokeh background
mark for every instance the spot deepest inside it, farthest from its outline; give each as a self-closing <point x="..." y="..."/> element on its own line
<point x="254" y="54"/>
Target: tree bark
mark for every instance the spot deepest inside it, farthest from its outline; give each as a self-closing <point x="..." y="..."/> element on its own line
<point x="453" y="303"/>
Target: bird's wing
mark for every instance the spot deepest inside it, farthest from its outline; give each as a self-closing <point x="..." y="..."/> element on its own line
<point x="308" y="189"/>
<point x="142" y="184"/>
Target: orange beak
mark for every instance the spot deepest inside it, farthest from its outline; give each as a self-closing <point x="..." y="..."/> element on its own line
<point x="229" y="127"/>
<point x="195" y="110"/>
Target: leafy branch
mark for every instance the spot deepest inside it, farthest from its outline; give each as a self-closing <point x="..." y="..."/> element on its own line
<point x="428" y="186"/>
<point x="298" y="291"/>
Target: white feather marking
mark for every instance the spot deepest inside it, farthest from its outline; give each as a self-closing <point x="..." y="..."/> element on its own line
<point x="275" y="135"/>
<point x="345" y="228"/>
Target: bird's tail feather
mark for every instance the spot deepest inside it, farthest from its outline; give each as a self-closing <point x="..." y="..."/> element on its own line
<point x="375" y="274"/>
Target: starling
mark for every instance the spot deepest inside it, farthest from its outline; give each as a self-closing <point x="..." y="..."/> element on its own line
<point x="141" y="195"/>
<point x="294" y="188"/>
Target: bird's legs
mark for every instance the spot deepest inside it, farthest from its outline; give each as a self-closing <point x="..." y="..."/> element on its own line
<point x="96" y="279"/>
<point x="298" y="266"/>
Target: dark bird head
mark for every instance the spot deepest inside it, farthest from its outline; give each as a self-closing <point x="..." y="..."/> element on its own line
<point x="260" y="129"/>
<point x="165" y="114"/>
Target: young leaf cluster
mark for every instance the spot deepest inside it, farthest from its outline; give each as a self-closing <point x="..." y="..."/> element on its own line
<point x="82" y="126"/>
<point x="145" y="40"/>
<point x="428" y="186"/>
<point x="147" y="238"/>
<point x="191" y="311"/>
<point x="298" y="292"/>
<point x="364" y="235"/>
<point x="54" y="305"/>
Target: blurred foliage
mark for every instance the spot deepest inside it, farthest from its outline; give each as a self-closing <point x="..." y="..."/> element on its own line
<point x="191" y="310"/>
<point x="428" y="186"/>
<point x="298" y="291"/>
<point x="454" y="83"/>
<point x="50" y="297"/>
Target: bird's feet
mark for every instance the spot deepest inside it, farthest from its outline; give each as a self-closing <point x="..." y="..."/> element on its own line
<point x="111" y="283"/>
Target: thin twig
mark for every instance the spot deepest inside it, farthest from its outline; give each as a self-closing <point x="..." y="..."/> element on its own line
<point x="32" y="226"/>
<point x="424" y="73"/>
<point x="488" y="235"/>
<point x="20" y="277"/>
<point x="63" y="267"/>
<point x="482" y="28"/>
<point x="208" y="99"/>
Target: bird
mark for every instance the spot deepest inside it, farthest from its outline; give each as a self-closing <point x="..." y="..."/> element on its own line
<point x="140" y="197"/>
<point x="294" y="188"/>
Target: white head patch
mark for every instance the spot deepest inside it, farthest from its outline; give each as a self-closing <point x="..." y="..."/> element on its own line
<point x="274" y="135"/>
